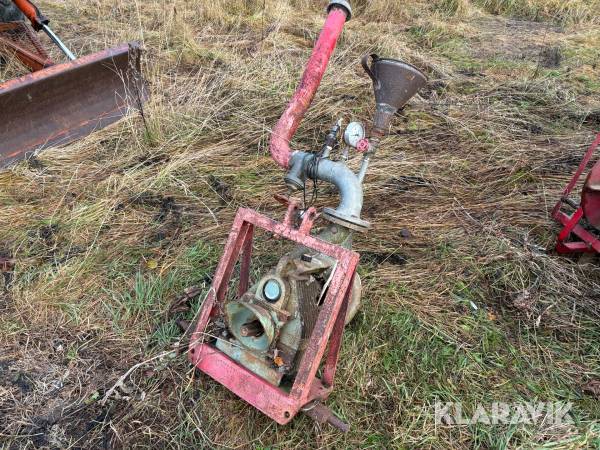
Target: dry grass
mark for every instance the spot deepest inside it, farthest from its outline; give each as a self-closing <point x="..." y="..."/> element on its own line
<point x="473" y="306"/>
<point x="569" y="11"/>
<point x="10" y="67"/>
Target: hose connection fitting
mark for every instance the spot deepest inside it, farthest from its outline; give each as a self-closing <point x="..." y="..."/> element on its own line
<point x="341" y="4"/>
<point x="394" y="83"/>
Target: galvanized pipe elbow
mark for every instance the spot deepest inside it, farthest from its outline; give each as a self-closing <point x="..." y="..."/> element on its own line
<point x="307" y="165"/>
<point x="346" y="182"/>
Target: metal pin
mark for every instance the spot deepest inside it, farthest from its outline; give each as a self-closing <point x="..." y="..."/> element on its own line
<point x="58" y="42"/>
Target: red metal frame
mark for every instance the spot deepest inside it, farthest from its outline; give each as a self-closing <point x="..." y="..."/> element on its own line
<point x="588" y="243"/>
<point x="279" y="404"/>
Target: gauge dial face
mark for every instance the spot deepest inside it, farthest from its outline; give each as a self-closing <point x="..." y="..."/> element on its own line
<point x="272" y="290"/>
<point x="355" y="131"/>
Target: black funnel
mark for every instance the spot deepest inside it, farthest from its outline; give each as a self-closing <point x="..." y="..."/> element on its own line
<point x="394" y="82"/>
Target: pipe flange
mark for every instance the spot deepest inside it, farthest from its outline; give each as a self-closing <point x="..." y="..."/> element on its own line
<point x="354" y="223"/>
<point x="342" y="4"/>
<point x="293" y="182"/>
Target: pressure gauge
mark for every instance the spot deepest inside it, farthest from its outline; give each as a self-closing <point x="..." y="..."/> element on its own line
<point x="355" y="131"/>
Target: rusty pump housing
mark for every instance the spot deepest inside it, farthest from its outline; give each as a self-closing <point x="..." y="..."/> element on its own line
<point x="266" y="342"/>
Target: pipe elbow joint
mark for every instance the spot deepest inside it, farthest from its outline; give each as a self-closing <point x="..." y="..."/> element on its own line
<point x="346" y="182"/>
<point x="347" y="213"/>
<point x="279" y="148"/>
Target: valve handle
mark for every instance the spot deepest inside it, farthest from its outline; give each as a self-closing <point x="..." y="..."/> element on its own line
<point x="363" y="145"/>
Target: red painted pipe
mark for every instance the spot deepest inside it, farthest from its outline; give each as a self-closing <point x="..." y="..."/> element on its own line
<point x="303" y="97"/>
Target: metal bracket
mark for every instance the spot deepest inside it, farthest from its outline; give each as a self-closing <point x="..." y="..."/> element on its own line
<point x="293" y="208"/>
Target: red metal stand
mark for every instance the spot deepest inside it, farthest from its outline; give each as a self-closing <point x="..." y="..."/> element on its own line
<point x="589" y="242"/>
<point x="307" y="390"/>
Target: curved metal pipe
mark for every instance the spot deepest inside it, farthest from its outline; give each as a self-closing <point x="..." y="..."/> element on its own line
<point x="304" y="165"/>
<point x="311" y="79"/>
<point x="346" y="182"/>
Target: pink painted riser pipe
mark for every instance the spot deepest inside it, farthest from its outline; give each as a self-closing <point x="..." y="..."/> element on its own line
<point x="311" y="79"/>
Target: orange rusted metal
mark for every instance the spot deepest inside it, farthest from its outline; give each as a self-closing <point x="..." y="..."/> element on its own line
<point x="68" y="101"/>
<point x="17" y="38"/>
<point x="33" y="13"/>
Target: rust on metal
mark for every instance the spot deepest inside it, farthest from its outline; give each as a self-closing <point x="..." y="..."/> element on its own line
<point x="272" y="400"/>
<point x="293" y="208"/>
<point x="321" y="414"/>
<point x="65" y="102"/>
<point x="18" y="39"/>
<point x="31" y="60"/>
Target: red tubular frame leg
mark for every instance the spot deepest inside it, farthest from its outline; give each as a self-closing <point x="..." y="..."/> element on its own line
<point x="589" y="242"/>
<point x="313" y="74"/>
<point x="582" y="165"/>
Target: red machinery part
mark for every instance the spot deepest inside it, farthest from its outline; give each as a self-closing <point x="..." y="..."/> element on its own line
<point x="17" y="38"/>
<point x="279" y="404"/>
<point x="363" y="145"/>
<point x="590" y="196"/>
<point x="311" y="79"/>
<point x="588" y="209"/>
<point x="32" y="12"/>
<point x="308" y="390"/>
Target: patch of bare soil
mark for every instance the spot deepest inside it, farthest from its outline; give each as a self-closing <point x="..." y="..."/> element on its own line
<point x="48" y="390"/>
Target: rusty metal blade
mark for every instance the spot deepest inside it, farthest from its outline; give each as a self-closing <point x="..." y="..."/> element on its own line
<point x="68" y="101"/>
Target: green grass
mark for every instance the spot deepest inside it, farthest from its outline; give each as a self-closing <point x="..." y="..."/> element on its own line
<point x="491" y="367"/>
<point x="149" y="297"/>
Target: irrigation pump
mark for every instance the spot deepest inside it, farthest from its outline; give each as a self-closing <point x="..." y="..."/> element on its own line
<point x="275" y="341"/>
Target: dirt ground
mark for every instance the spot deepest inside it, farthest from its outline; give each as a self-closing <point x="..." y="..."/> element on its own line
<point x="465" y="299"/>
